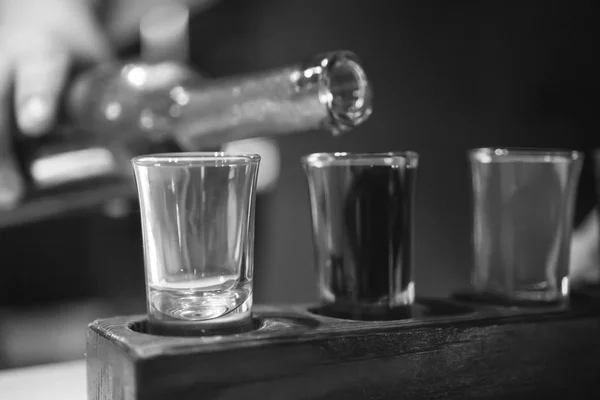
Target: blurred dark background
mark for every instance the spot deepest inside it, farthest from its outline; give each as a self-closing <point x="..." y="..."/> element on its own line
<point x="448" y="76"/>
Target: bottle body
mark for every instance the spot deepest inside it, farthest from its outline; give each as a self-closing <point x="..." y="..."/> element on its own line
<point x="169" y="100"/>
<point x="121" y="102"/>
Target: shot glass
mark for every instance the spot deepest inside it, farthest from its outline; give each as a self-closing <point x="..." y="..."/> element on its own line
<point x="197" y="212"/>
<point x="362" y="220"/>
<point x="523" y="219"/>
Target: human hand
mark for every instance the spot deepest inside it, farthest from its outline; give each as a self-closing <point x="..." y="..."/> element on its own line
<point x="39" y="41"/>
<point x="585" y="260"/>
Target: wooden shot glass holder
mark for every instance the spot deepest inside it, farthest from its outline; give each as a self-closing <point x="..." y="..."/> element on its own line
<point x="447" y="349"/>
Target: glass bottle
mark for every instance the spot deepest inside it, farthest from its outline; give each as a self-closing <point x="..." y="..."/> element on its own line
<point x="167" y="100"/>
<point x="118" y="111"/>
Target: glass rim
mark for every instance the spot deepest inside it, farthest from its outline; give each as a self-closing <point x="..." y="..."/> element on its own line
<point x="349" y="158"/>
<point x="493" y="153"/>
<point x="195" y="158"/>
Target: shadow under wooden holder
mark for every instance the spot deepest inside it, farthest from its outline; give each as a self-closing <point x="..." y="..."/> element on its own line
<point x="446" y="350"/>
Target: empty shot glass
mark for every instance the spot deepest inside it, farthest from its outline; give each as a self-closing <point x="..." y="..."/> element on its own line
<point x="523" y="218"/>
<point x="362" y="220"/>
<point x="197" y="212"/>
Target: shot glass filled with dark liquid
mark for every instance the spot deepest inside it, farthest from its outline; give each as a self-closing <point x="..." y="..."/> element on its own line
<point x="362" y="217"/>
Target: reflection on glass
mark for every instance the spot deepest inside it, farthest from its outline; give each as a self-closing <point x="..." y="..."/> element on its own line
<point x="362" y="214"/>
<point x="523" y="217"/>
<point x="197" y="212"/>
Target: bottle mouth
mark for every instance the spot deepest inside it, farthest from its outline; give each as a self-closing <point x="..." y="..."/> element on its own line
<point x="343" y="88"/>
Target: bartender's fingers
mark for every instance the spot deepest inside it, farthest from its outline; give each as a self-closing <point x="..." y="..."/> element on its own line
<point x="39" y="80"/>
<point x="585" y="261"/>
<point x="11" y="184"/>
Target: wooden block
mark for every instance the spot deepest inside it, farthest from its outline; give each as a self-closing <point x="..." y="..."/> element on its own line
<point x="446" y="350"/>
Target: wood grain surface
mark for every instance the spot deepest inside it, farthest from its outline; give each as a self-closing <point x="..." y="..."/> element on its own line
<point x="455" y="352"/>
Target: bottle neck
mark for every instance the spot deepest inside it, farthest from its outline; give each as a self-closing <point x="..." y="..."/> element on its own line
<point x="330" y="92"/>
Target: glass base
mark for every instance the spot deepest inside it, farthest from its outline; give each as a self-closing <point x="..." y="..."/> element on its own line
<point x="361" y="312"/>
<point x="218" y="326"/>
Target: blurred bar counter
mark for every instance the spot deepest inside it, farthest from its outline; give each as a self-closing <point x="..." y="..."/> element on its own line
<point x="51" y="206"/>
<point x="62" y="381"/>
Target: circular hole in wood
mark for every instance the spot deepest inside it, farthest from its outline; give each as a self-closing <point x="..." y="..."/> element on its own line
<point x="422" y="308"/>
<point x="196" y="330"/>
<point x="492" y="299"/>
